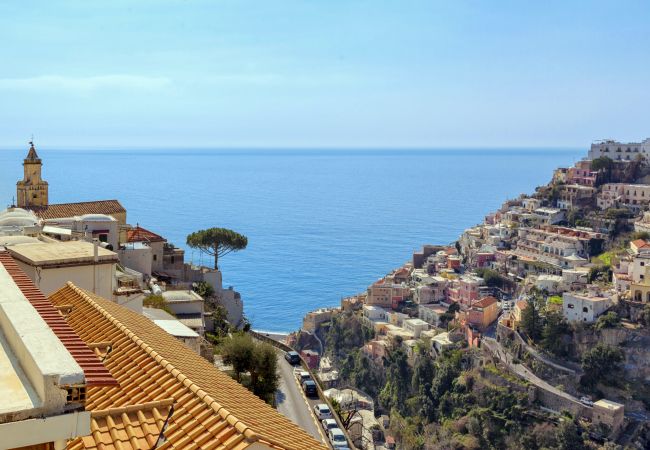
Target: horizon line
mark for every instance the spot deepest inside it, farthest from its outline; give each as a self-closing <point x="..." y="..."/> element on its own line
<point x="294" y="148"/>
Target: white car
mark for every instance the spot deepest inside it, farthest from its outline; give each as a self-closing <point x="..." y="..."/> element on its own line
<point x="328" y="424"/>
<point x="322" y="411"/>
<point x="337" y="438"/>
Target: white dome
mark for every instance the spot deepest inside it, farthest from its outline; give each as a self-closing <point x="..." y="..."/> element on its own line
<point x="96" y="217"/>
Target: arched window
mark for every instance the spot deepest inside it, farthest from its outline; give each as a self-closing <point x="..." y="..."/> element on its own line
<point x="637" y="296"/>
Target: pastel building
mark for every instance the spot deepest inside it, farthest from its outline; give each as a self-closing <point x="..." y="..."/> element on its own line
<point x="632" y="196"/>
<point x="582" y="174"/>
<point x="314" y="319"/>
<point x="465" y="290"/>
<point x="575" y="195"/>
<point x="386" y="295"/>
<point x="483" y="313"/>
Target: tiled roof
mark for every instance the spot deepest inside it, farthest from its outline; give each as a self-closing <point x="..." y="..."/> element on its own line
<point x="484" y="302"/>
<point x="211" y="410"/>
<point x="135" y="426"/>
<point x="94" y="371"/>
<point x="57" y="211"/>
<point x="139" y="234"/>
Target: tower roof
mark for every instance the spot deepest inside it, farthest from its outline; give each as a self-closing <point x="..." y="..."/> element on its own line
<point x="32" y="156"/>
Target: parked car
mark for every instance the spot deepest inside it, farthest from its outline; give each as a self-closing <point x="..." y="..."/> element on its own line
<point x="303" y="376"/>
<point x="328" y="424"/>
<point x="309" y="387"/>
<point x="322" y="411"/>
<point x="337" y="438"/>
<point x="292" y="358"/>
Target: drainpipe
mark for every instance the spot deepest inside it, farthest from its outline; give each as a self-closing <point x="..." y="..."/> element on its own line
<point x="95" y="261"/>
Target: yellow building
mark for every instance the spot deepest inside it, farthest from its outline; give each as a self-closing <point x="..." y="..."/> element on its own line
<point x="640" y="290"/>
<point x="31" y="191"/>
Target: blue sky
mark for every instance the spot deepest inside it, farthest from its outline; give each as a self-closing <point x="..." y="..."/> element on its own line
<point x="328" y="73"/>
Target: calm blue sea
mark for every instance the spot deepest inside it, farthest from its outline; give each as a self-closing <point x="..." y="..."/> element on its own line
<point x="321" y="224"/>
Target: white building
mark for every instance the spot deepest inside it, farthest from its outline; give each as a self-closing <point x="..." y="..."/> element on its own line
<point x="550" y="216"/>
<point x="619" y="151"/>
<point x="188" y="307"/>
<point x="375" y="313"/>
<point x="549" y="283"/>
<point x="584" y="307"/>
<point x="431" y="313"/>
<point x="18" y="222"/>
<point x="440" y="343"/>
<point x="102" y="227"/>
<point x="50" y="265"/>
<point x="415" y="326"/>
<point x="174" y="327"/>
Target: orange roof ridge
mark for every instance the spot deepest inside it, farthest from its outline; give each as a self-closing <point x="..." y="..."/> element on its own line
<point x="204" y="396"/>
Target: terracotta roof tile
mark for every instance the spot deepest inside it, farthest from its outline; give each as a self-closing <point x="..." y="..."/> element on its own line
<point x="484" y="302"/>
<point x="139" y="234"/>
<point x="94" y="371"/>
<point x="56" y="211"/>
<point x="211" y="410"/>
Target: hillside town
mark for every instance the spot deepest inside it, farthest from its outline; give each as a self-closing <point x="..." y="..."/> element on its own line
<point x="530" y="331"/>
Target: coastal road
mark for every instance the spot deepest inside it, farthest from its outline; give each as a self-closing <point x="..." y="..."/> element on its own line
<point x="292" y="403"/>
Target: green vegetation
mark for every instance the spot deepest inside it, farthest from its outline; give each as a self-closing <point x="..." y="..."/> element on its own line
<point x="204" y="289"/>
<point x="158" y="302"/>
<point x="609" y="320"/>
<point x="604" y="165"/>
<point x="346" y="334"/>
<point x="531" y="317"/>
<point x="555" y="300"/>
<point x="601" y="274"/>
<point x="254" y="364"/>
<point x="639" y="235"/>
<point x="492" y="278"/>
<point x="217" y="242"/>
<point x="602" y="363"/>
<point x="618" y="213"/>
<point x="452" y="407"/>
<point x="398" y="381"/>
<point x="357" y="369"/>
<point x="553" y="333"/>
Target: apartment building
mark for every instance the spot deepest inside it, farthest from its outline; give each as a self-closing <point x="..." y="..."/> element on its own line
<point x="633" y="196"/>
<point x="620" y="151"/>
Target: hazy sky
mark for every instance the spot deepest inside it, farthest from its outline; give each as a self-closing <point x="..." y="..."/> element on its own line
<point x="323" y="73"/>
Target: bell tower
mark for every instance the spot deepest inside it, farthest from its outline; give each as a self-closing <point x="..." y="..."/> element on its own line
<point x="31" y="191"/>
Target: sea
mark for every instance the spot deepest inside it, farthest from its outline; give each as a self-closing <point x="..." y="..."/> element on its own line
<point x="321" y="224"/>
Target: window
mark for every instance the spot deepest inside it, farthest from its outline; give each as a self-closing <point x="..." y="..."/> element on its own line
<point x="570" y="306"/>
<point x="584" y="309"/>
<point x="155" y="257"/>
<point x="172" y="259"/>
<point x="642" y="263"/>
<point x="103" y="238"/>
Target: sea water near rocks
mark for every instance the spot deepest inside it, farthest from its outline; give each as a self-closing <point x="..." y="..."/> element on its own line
<point x="322" y="224"/>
